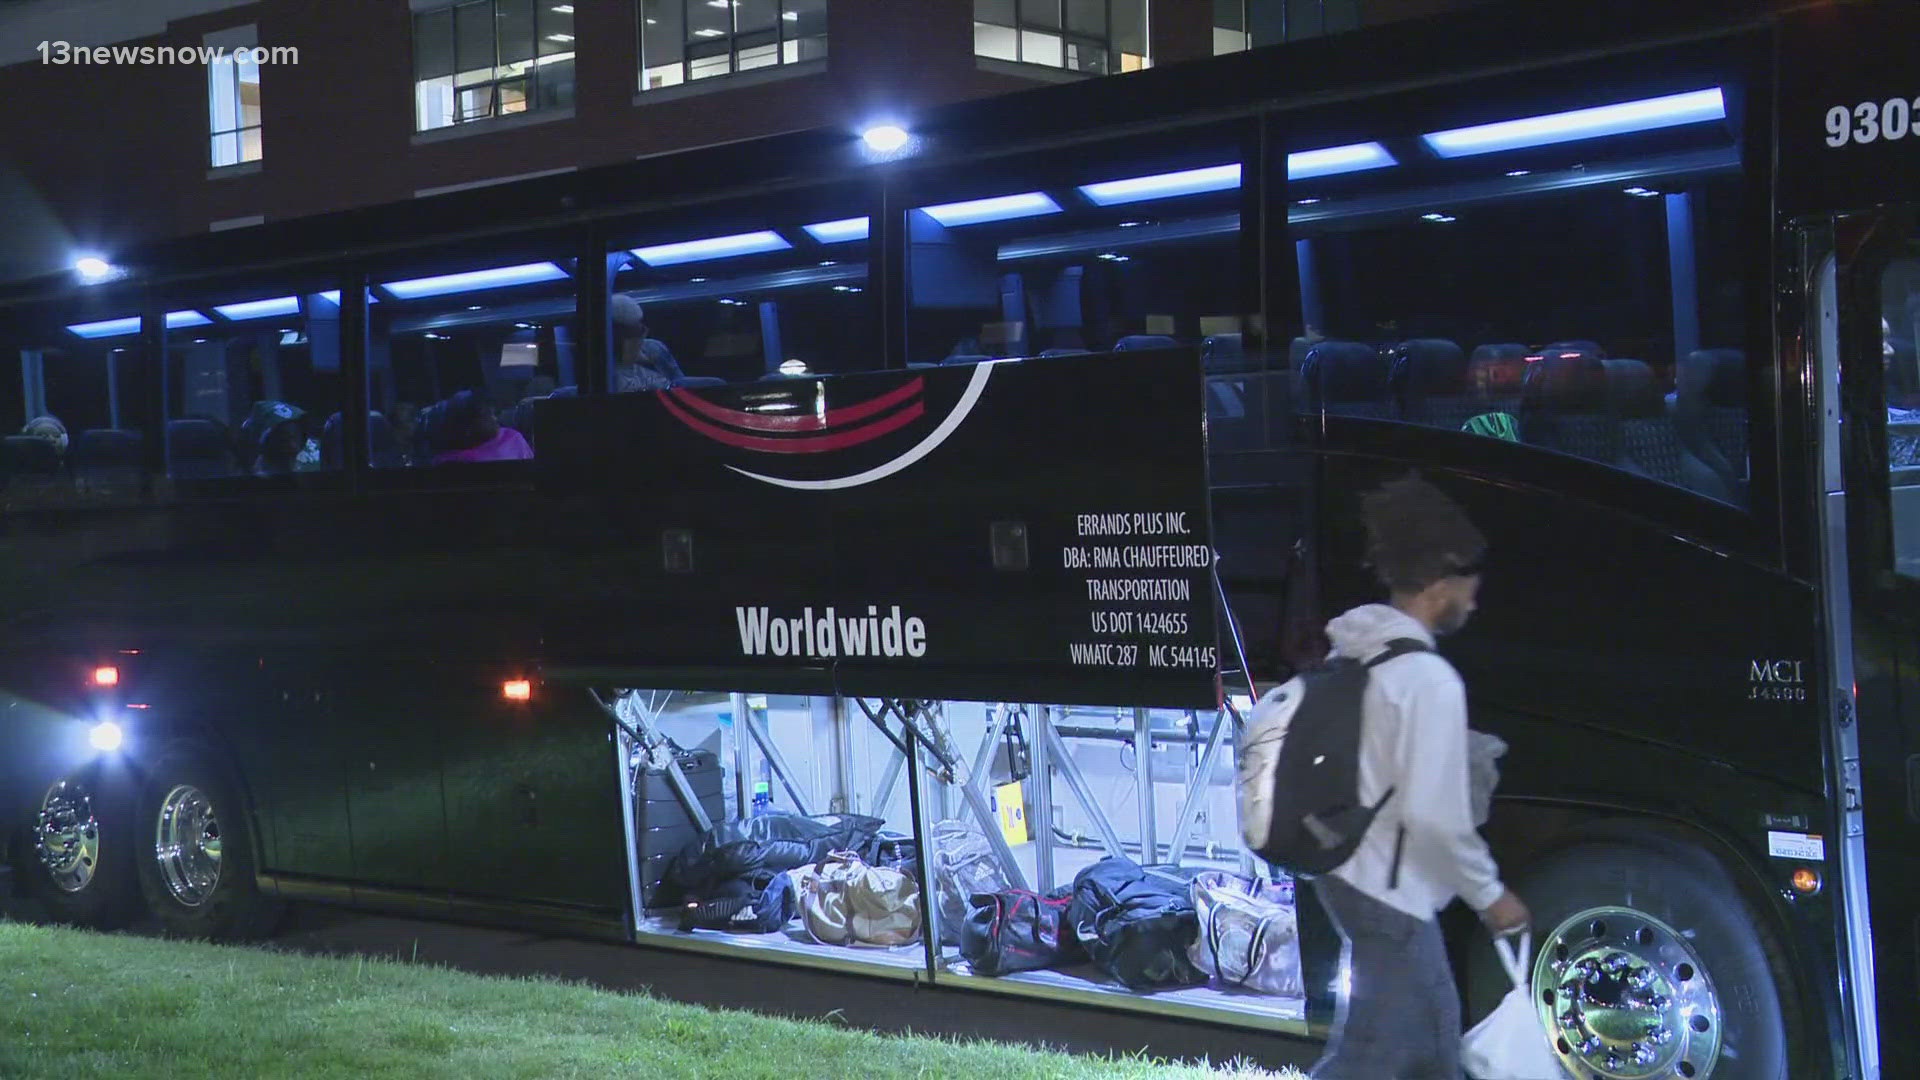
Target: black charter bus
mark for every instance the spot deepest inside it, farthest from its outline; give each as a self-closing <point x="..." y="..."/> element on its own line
<point x="948" y="496"/>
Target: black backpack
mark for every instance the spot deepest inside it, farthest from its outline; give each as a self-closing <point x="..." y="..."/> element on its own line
<point x="1299" y="782"/>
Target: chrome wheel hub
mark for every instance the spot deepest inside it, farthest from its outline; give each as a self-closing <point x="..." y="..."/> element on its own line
<point x="67" y="836"/>
<point x="186" y="845"/>
<point x="1624" y="997"/>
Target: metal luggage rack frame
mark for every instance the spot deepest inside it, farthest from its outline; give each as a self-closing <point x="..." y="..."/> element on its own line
<point x="918" y="734"/>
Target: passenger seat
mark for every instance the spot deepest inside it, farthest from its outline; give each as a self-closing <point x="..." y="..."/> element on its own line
<point x="1564" y="406"/>
<point x="1726" y="400"/>
<point x="1347" y="378"/>
<point x="383" y="443"/>
<point x="29" y="462"/>
<point x="1495" y="374"/>
<point x="1581" y="348"/>
<point x="1429" y="382"/>
<point x="1710" y="412"/>
<point x="198" y="448"/>
<point x="107" y="456"/>
<point x="333" y="443"/>
<point x="1222" y="353"/>
<point x="1646" y="433"/>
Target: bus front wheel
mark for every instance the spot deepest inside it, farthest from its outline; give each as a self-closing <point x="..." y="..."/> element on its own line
<point x="1646" y="964"/>
<point x="196" y="852"/>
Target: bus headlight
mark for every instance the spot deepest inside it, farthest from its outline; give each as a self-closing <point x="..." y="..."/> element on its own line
<point x="106" y="736"/>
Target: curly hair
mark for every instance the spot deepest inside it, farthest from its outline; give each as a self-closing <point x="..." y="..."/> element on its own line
<point x="1416" y="535"/>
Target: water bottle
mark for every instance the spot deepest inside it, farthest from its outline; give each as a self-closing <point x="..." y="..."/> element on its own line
<point x="762" y="799"/>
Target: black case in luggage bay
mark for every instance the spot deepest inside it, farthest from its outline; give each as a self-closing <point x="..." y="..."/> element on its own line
<point x="661" y="824"/>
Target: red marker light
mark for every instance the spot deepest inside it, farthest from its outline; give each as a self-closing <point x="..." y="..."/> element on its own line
<point x="517" y="690"/>
<point x="106" y="676"/>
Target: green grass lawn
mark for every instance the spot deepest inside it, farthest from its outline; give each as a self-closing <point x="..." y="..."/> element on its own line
<point x="76" y="1004"/>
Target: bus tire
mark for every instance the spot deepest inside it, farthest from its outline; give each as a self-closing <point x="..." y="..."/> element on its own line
<point x="196" y="852"/>
<point x="1682" y="919"/>
<point x="76" y="857"/>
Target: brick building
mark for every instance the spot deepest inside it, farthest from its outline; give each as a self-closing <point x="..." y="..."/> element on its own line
<point x="358" y="102"/>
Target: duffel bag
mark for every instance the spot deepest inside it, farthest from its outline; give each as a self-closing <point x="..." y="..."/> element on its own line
<point x="843" y="901"/>
<point x="1136" y="925"/>
<point x="964" y="865"/>
<point x="774" y="841"/>
<point x="704" y="866"/>
<point x="789" y="840"/>
<point x="893" y="851"/>
<point x="759" y="903"/>
<point x="1018" y="930"/>
<point x="1248" y="937"/>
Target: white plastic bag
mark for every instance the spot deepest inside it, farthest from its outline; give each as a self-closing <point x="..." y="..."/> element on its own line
<point x="1484" y="752"/>
<point x="1510" y="1044"/>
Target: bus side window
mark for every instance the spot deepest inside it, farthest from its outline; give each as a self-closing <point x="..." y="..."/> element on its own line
<point x="253" y="375"/>
<point x="1136" y="247"/>
<point x="1596" y="321"/>
<point x="458" y="357"/>
<point x="1149" y="260"/>
<point x="77" y="411"/>
<point x="742" y="291"/>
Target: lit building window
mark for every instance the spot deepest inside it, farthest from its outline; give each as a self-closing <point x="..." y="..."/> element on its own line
<point x="685" y="40"/>
<point x="1094" y="37"/>
<point x="1230" y="27"/>
<point x="1244" y="24"/>
<point x="233" y="103"/>
<point x="490" y="58"/>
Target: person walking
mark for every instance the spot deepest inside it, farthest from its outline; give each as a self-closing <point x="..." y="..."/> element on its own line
<point x="1399" y="1018"/>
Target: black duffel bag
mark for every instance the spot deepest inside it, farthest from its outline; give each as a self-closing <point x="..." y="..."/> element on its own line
<point x="795" y="840"/>
<point x="759" y="903"/>
<point x="774" y="841"/>
<point x="704" y="866"/>
<point x="1018" y="930"/>
<point x="1136" y="924"/>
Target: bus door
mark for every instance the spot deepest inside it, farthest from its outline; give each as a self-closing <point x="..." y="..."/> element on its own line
<point x="1848" y="142"/>
<point x="1865" y="308"/>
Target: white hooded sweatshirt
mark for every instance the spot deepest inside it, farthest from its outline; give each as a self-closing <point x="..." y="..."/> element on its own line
<point x="1414" y="740"/>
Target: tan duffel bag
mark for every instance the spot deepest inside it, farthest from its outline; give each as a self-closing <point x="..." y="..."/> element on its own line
<point x="843" y="901"/>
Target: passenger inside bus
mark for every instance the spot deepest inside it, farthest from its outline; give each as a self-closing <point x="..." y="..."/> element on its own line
<point x="403" y="417"/>
<point x="275" y="435"/>
<point x="48" y="430"/>
<point x="471" y="431"/>
<point x="643" y="362"/>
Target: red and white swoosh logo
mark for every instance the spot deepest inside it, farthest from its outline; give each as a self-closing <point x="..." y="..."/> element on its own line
<point x="828" y="430"/>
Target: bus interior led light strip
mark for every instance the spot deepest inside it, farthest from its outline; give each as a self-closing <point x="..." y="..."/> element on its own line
<point x="713" y="247"/>
<point x="1623" y="118"/>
